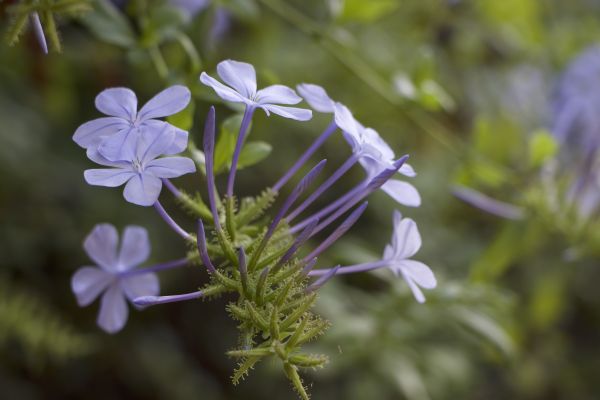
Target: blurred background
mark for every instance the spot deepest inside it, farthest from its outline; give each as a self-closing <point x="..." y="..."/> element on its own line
<point x="498" y="105"/>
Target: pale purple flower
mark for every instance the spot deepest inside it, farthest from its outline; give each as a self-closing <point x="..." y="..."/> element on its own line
<point x="406" y="241"/>
<point x="112" y="273"/>
<point x="375" y="155"/>
<point x="241" y="78"/>
<point x="316" y="97"/>
<point x="144" y="171"/>
<point x="116" y="136"/>
<point x="190" y="7"/>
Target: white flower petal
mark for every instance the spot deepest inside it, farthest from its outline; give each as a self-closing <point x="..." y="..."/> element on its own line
<point x="403" y="192"/>
<point x="101" y="246"/>
<point x="316" y="97"/>
<point x="345" y="120"/>
<point x="113" y="310"/>
<point x="239" y="75"/>
<point x="145" y="284"/>
<point x="224" y="92"/>
<point x="168" y="102"/>
<point x="406" y="240"/>
<point x="135" y="247"/>
<point x="419" y="272"/>
<point x="108" y="177"/>
<point x="407" y="170"/>
<point x="143" y="190"/>
<point x="277" y="94"/>
<point x="299" y="114"/>
<point x="93" y="132"/>
<point x="117" y="102"/>
<point x="88" y="282"/>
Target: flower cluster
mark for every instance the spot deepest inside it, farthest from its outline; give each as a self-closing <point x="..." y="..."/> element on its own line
<point x="243" y="254"/>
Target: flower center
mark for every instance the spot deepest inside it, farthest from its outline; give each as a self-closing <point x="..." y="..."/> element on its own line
<point x="137" y="166"/>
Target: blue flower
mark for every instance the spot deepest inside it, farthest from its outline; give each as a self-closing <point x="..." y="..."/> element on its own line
<point x="241" y="78"/>
<point x="144" y="171"/>
<point x="113" y="273"/>
<point x="116" y="136"/>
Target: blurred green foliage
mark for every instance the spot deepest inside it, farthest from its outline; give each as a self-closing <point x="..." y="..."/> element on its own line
<point x="462" y="86"/>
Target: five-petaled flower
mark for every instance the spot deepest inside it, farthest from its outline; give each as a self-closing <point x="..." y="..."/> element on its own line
<point x="113" y="275"/>
<point x="143" y="172"/>
<point x="241" y="78"/>
<point x="406" y="241"/>
<point x="115" y="137"/>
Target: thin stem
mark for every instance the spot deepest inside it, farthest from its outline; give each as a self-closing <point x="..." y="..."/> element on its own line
<point x="304" y="157"/>
<point x="156" y="268"/>
<point x="351" y="269"/>
<point x="172" y="224"/>
<point x="349" y="163"/>
<point x="209" y="149"/>
<point x="202" y="248"/>
<point x="159" y="62"/>
<point x="169" y="185"/>
<point x="238" y="148"/>
<point x="190" y="50"/>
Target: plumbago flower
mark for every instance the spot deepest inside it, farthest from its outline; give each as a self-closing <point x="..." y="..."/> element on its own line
<point x="143" y="172"/>
<point x="245" y="254"/>
<point x="115" y="137"/>
<point x="115" y="274"/>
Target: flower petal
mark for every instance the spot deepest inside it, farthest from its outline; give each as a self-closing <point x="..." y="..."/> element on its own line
<point x="171" y="167"/>
<point x="299" y="114"/>
<point x="101" y="246"/>
<point x="88" y="282"/>
<point x="345" y="120"/>
<point x="416" y="273"/>
<point x="117" y="102"/>
<point x="146" y="284"/>
<point x="91" y="133"/>
<point x="403" y="192"/>
<point x="142" y="189"/>
<point x="407" y="170"/>
<point x="120" y="146"/>
<point x="316" y="97"/>
<point x="239" y="75"/>
<point x="113" y="310"/>
<point x="181" y="137"/>
<point x="224" y="92"/>
<point x="406" y="240"/>
<point x="135" y="247"/>
<point x="277" y="94"/>
<point x="94" y="155"/>
<point x="107" y="177"/>
<point x="154" y="143"/>
<point x="168" y="102"/>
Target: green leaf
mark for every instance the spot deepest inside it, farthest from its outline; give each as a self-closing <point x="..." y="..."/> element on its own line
<point x="433" y="97"/>
<point x="184" y="119"/>
<point x="253" y="153"/>
<point x="366" y="11"/>
<point x="108" y="24"/>
<point x="163" y="23"/>
<point x="542" y="147"/>
<point x="226" y="142"/>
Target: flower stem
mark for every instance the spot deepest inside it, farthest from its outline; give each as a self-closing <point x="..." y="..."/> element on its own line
<point x="164" y="215"/>
<point x="351" y="269"/>
<point x="158" y="267"/>
<point x="304" y="157"/>
<point x="238" y="148"/>
<point x="171" y="187"/>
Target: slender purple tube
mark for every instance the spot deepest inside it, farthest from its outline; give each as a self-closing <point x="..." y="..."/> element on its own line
<point x="331" y="207"/>
<point x="34" y="18"/>
<point x="238" y="148"/>
<point x="322" y="280"/>
<point x="349" y="163"/>
<point x="488" y="204"/>
<point x="209" y="159"/>
<point x="308" y="267"/>
<point x="156" y="268"/>
<point x="351" y="269"/>
<point x="372" y="186"/>
<point x="298" y="242"/>
<point x="336" y="234"/>
<point x="164" y="215"/>
<point x="202" y="248"/>
<point x="169" y="185"/>
<point x="302" y="160"/>
<point x="145" y="301"/>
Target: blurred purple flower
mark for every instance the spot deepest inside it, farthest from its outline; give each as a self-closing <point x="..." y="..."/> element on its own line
<point x="488" y="204"/>
<point x="144" y="171"/>
<point x="191" y="7"/>
<point x="112" y="273"/>
<point x="375" y="156"/>
<point x="116" y="136"/>
<point x="406" y="241"/>
<point x="241" y="78"/>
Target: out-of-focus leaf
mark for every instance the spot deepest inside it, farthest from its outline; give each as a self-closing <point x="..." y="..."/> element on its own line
<point x="253" y="153"/>
<point x="163" y="23"/>
<point x="542" y="147"/>
<point x="184" y="119"/>
<point x="226" y="141"/>
<point x="366" y="11"/>
<point x="243" y="9"/>
<point x="409" y="379"/>
<point x="108" y="24"/>
<point x="547" y="300"/>
<point x="487" y="327"/>
<point x="433" y="97"/>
